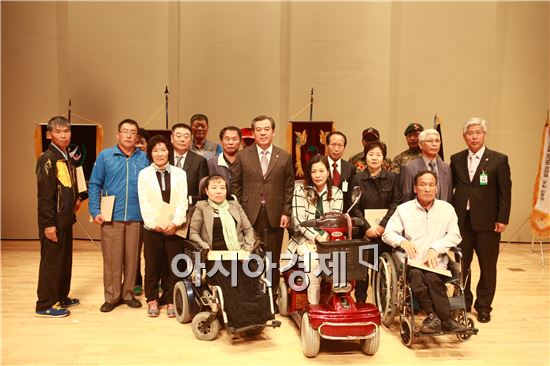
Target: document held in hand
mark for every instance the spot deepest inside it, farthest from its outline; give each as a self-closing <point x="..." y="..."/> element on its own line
<point x="80" y="180"/>
<point x="106" y="208"/>
<point x="375" y="215"/>
<point x="444" y="272"/>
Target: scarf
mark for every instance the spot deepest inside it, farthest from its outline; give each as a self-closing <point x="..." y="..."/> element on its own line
<point x="228" y="224"/>
<point x="162" y="171"/>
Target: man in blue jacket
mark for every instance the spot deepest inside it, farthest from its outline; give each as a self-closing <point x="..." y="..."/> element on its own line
<point x="115" y="174"/>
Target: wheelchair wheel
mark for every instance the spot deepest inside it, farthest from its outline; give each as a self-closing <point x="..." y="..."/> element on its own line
<point x="406" y="331"/>
<point x="282" y="299"/>
<point x="385" y="289"/>
<point x="202" y="331"/>
<point x="184" y="313"/>
<point x="311" y="341"/>
<point x="370" y="345"/>
<point x="469" y="323"/>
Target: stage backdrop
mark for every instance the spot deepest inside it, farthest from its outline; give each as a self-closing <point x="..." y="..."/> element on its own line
<point x="86" y="141"/>
<point x="305" y="139"/>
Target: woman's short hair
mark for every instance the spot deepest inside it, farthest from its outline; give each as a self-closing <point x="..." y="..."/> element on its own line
<point x="159" y="139"/>
<point x="374" y="144"/>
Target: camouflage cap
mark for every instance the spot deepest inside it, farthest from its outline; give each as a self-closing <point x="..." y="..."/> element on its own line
<point x="413" y="127"/>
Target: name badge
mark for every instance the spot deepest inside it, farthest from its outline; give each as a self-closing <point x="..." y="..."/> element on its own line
<point x="483" y="179"/>
<point x="345" y="186"/>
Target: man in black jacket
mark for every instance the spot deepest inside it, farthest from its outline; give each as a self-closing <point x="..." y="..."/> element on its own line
<point x="482" y="200"/>
<point x="57" y="203"/>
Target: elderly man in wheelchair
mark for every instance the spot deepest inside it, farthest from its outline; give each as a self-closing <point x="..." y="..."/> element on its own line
<point x="423" y="231"/>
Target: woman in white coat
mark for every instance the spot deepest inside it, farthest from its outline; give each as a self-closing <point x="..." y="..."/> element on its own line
<point x="162" y="191"/>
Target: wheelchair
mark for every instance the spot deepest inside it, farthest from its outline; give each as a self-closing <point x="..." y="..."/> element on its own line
<point x="393" y="296"/>
<point x="205" y="305"/>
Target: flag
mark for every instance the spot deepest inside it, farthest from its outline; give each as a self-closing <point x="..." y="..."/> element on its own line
<point x="540" y="214"/>
<point x="437" y="127"/>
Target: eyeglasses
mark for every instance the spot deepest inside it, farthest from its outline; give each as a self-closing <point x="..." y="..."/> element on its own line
<point x="474" y="133"/>
<point x="433" y="141"/>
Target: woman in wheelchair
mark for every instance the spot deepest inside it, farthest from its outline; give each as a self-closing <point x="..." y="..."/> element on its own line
<point x="316" y="197"/>
<point x="426" y="229"/>
<point x="221" y="224"/>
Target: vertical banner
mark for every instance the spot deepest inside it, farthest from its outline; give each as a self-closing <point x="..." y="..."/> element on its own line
<point x="540" y="214"/>
<point x="306" y="139"/>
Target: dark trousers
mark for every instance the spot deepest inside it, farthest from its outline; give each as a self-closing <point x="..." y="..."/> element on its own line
<point x="273" y="241"/>
<point x="159" y="250"/>
<point x="139" y="277"/>
<point x="361" y="286"/>
<point x="486" y="246"/>
<point x="56" y="261"/>
<point x="430" y="291"/>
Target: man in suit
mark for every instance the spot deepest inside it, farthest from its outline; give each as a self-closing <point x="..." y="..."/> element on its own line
<point x="482" y="200"/>
<point x="194" y="165"/>
<point x="263" y="182"/>
<point x="341" y="171"/>
<point x="430" y="143"/>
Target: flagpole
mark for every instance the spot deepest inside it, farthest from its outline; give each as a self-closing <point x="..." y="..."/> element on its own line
<point x="311" y="105"/>
<point x="69" y="112"/>
<point x="166" y="104"/>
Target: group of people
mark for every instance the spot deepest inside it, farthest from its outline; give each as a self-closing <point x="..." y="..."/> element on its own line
<point x="189" y="181"/>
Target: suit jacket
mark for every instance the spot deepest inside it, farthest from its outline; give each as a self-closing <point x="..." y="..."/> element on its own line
<point x="202" y="223"/>
<point x="444" y="179"/>
<point x="346" y="174"/>
<point x="250" y="186"/>
<point x="490" y="203"/>
<point x="150" y="196"/>
<point x="196" y="168"/>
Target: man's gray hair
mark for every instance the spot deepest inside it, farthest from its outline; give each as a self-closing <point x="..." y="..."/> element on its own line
<point x="424" y="134"/>
<point x="58" y="121"/>
<point x="475" y="121"/>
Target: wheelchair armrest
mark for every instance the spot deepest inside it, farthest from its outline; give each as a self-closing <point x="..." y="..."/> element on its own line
<point x="192" y="245"/>
<point x="457" y="251"/>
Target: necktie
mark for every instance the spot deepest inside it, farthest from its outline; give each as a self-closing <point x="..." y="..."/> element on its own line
<point x="335" y="175"/>
<point x="178" y="161"/>
<point x="472" y="166"/>
<point x="432" y="166"/>
<point x="263" y="161"/>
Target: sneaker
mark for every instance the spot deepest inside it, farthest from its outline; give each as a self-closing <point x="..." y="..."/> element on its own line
<point x="171" y="311"/>
<point x="153" y="309"/>
<point x="69" y="303"/>
<point x="431" y="324"/>
<point x="137" y="290"/>
<point x="451" y="325"/>
<point x="133" y="303"/>
<point x="56" y="311"/>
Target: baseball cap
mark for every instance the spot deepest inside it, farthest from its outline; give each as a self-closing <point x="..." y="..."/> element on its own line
<point x="371" y="134"/>
<point x="246" y="133"/>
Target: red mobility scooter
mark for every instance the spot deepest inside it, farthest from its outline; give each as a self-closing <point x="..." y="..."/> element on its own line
<point x="337" y="316"/>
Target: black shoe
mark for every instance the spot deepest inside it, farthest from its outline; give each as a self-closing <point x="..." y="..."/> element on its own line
<point x="69" y="303"/>
<point x="484" y="317"/>
<point x="107" y="307"/>
<point x="431" y="324"/>
<point x="134" y="303"/>
<point x="451" y="325"/>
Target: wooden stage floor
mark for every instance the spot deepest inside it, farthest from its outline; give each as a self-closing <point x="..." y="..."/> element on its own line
<point x="517" y="334"/>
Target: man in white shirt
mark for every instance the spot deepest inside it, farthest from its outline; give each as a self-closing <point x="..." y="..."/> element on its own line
<point x="426" y="228"/>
